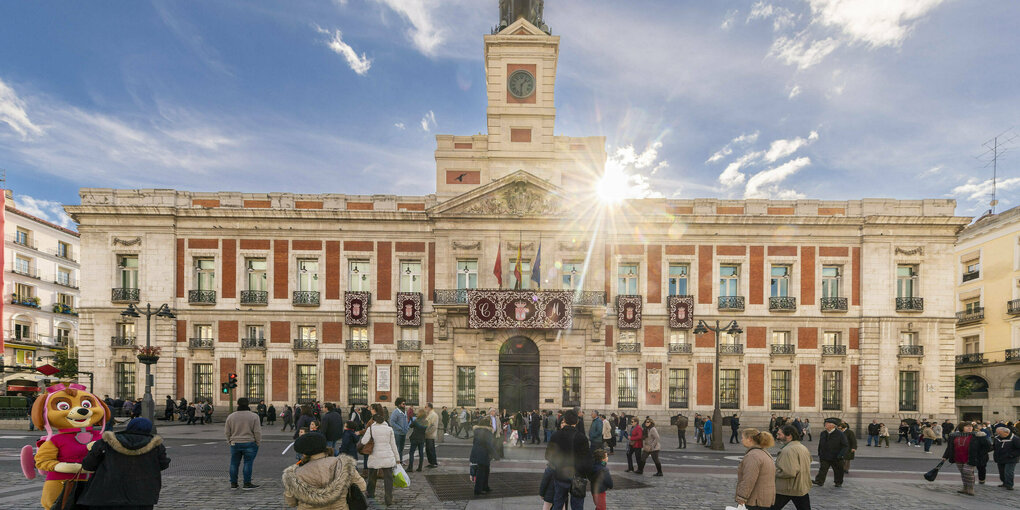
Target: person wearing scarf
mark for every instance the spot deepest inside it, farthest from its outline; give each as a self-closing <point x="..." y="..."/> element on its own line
<point x="127" y="468"/>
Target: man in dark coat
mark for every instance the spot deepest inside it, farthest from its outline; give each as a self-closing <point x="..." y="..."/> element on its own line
<point x="1007" y="453"/>
<point x="332" y="427"/>
<point x="873" y="428"/>
<point x="569" y="456"/>
<point x="681" y="431"/>
<point x="127" y="468"/>
<point x="734" y="427"/>
<point x="947" y="429"/>
<point x="536" y="427"/>
<point x="851" y="441"/>
<point x="832" y="449"/>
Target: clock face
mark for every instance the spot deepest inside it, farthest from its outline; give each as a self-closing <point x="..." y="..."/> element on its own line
<point x="521" y="84"/>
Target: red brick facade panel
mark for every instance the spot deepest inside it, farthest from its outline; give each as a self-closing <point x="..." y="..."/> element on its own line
<point x="654" y="336"/>
<point x="855" y="261"/>
<point x="731" y="250"/>
<point x="360" y="206"/>
<point x="465" y="176"/>
<point x="807" y="338"/>
<point x="430" y="383"/>
<point x="781" y="211"/>
<point x="179" y="376"/>
<point x="227" y="331"/>
<point x="855" y="338"/>
<point x="228" y="248"/>
<point x="756" y="337"/>
<point x="833" y="251"/>
<point x="308" y="204"/>
<point x="280" y="251"/>
<point x="254" y="244"/>
<point x="332" y="269"/>
<point x="654" y="273"/>
<point x="679" y="209"/>
<point x="279" y="332"/>
<point x="359" y="246"/>
<point x="855" y="371"/>
<point x="462" y="145"/>
<point x="410" y="206"/>
<point x="332" y="332"/>
<point x="729" y="210"/>
<point x="630" y="249"/>
<point x="203" y="244"/>
<point x="807" y="275"/>
<point x="431" y="278"/>
<point x="384" y="253"/>
<point x="831" y="211"/>
<point x="755" y="384"/>
<point x="382" y="333"/>
<point x="756" y="276"/>
<point x="520" y="135"/>
<point x="180" y="268"/>
<point x="430" y="333"/>
<point x="609" y="336"/>
<point x="228" y="366"/>
<point x="182" y="331"/>
<point x="653" y="370"/>
<point x="705" y="384"/>
<point x="281" y="377"/>
<point x="782" y="251"/>
<point x="306" y="245"/>
<point x="704" y="274"/>
<point x="609" y="382"/>
<point x="705" y="340"/>
<point x="807" y="386"/>
<point x="200" y="202"/>
<point x="410" y="247"/>
<point x="331" y="374"/>
<point x="257" y="204"/>
<point x="679" y="249"/>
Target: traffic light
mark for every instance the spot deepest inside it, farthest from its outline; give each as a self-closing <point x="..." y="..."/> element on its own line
<point x="231" y="380"/>
<point x="224" y="388"/>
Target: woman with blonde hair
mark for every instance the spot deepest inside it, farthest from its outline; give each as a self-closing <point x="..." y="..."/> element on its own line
<point x="756" y="476"/>
<point x="650" y="448"/>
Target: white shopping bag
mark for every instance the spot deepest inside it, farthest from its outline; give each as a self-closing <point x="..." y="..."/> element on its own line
<point x="400" y="478"/>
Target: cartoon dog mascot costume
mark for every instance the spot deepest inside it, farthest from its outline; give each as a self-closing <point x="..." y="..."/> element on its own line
<point x="68" y="415"/>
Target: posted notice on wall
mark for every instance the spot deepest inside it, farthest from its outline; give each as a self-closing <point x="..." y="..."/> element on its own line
<point x="382" y="378"/>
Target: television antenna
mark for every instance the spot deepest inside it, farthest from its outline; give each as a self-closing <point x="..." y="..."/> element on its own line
<point x="995" y="148"/>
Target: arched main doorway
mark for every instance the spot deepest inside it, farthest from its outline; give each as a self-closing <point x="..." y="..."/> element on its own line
<point x="518" y="374"/>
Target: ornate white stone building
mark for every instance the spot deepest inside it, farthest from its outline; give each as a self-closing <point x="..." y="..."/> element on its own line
<point x="356" y="299"/>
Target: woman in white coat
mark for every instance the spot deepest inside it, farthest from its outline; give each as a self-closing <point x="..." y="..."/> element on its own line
<point x="384" y="455"/>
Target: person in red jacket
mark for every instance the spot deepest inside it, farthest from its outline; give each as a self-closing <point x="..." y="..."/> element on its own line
<point x="636" y="443"/>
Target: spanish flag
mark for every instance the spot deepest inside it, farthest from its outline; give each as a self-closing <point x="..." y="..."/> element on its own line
<point x="517" y="268"/>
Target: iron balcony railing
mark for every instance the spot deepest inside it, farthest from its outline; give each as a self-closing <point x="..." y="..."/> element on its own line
<point x="27" y="243"/>
<point x="782" y="304"/>
<point x="784" y="349"/>
<point x="976" y="314"/>
<point x="253" y="343"/>
<point x="306" y="298"/>
<point x="728" y="404"/>
<point x="459" y="297"/>
<point x="357" y="345"/>
<point x="306" y="344"/>
<point x="1013" y="354"/>
<point x="678" y="403"/>
<point x="908" y="405"/>
<point x="731" y="303"/>
<point x="66" y="282"/>
<point x="408" y="345"/>
<point x="1013" y="307"/>
<point x="911" y="350"/>
<point x="590" y="298"/>
<point x="909" y="304"/>
<point x="833" y="304"/>
<point x="631" y="347"/>
<point x="61" y="343"/>
<point x="66" y="256"/>
<point x="202" y="297"/>
<point x="122" y="341"/>
<point x="683" y="348"/>
<point x="24" y="340"/>
<point x="731" y="348"/>
<point x="973" y="275"/>
<point x="833" y="350"/>
<point x="627" y="402"/>
<point x="201" y="343"/>
<point x="254" y="297"/>
<point x="30" y="301"/>
<point x="30" y="271"/>
<point x="122" y="295"/>
<point x="975" y="358"/>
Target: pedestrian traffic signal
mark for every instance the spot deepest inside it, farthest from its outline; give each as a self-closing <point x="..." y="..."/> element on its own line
<point x="231" y="380"/>
<point x="224" y="388"/>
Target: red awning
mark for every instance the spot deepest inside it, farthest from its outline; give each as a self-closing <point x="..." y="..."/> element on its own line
<point x="22" y="388"/>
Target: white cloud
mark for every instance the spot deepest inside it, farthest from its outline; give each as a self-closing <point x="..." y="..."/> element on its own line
<point x="876" y="23"/>
<point x="400" y="126"/>
<point x="424" y="33"/>
<point x="732" y="176"/>
<point x="12" y="112"/>
<point x="428" y="121"/>
<point x="731" y="16"/>
<point x="48" y="210"/>
<point x="743" y="139"/>
<point x="623" y="178"/>
<point x="764" y="184"/>
<point x="782" y="18"/>
<point x="782" y="148"/>
<point x="794" y="92"/>
<point x="628" y="156"/>
<point x="801" y="51"/>
<point x="359" y="64"/>
<point x="979" y="190"/>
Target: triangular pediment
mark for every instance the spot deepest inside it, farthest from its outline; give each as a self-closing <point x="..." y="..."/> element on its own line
<point x="516" y="195"/>
<point x="521" y="27"/>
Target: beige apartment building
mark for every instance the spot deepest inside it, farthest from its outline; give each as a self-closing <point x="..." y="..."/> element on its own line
<point x="987" y="324"/>
<point x="40" y="281"/>
<point x="354" y="299"/>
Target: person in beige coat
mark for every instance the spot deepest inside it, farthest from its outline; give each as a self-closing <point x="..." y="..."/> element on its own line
<point x="756" y="476"/>
<point x="320" y="480"/>
<point x="793" y="470"/>
<point x="650" y="448"/>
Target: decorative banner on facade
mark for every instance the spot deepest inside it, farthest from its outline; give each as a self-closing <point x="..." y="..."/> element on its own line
<point x="356" y="305"/>
<point x="681" y="311"/>
<point x="499" y="309"/>
<point x="408" y="309"/>
<point x="628" y="312"/>
<point x="382" y="377"/>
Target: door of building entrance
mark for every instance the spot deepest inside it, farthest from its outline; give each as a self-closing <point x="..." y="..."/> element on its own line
<point x="518" y="375"/>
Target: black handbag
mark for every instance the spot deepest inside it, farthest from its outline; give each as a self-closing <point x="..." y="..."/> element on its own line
<point x="930" y="475"/>
<point x="356" y="499"/>
<point x="578" y="487"/>
<point x="69" y="494"/>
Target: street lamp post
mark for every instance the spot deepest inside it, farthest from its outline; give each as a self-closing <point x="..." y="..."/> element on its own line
<point x="702" y="328"/>
<point x="148" y="404"/>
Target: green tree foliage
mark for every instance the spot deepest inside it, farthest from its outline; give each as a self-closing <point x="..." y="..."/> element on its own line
<point x="67" y="365"/>
<point x="964" y="387"/>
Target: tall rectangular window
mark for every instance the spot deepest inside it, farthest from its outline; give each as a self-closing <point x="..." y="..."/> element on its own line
<point x="308" y="275"/>
<point x="972" y="344"/>
<point x="466" y="386"/>
<point x="571" y="386"/>
<point x="203" y="379"/>
<point x="127" y="266"/>
<point x="308" y="333"/>
<point x="627" y="387"/>
<point x="409" y="385"/>
<point x="358" y="272"/>
<point x="727" y="338"/>
<point x="65" y="299"/>
<point x="678" y="274"/>
<point x="831" y="281"/>
<point x="832" y="338"/>
<point x="126" y="330"/>
<point x="906" y="280"/>
<point x="627" y="279"/>
<point x="908" y="390"/>
<point x="972" y="306"/>
<point x="573" y="273"/>
<point x="410" y="276"/>
<point x="908" y="338"/>
<point x="255" y="382"/>
<point x="780" y="338"/>
<point x="255" y="331"/>
<point x="780" y="282"/>
<point x="677" y="337"/>
<point x="525" y="281"/>
<point x="467" y="274"/>
<point x="21" y="236"/>
<point x="63" y="336"/>
<point x="832" y="390"/>
<point x="205" y="274"/>
<point x="729" y="388"/>
<point x="22" y="265"/>
<point x="359" y="334"/>
<point x="23" y="292"/>
<point x="203" y="331"/>
<point x="63" y="250"/>
<point x="781" y="390"/>
<point x="307" y="379"/>
<point x="678" y="388"/>
<point x="64" y="276"/>
<point x="729" y="280"/>
<point x="257" y="279"/>
<point x="357" y="385"/>
<point x="22" y="331"/>
<point x="124" y="380"/>
<point x="628" y="337"/>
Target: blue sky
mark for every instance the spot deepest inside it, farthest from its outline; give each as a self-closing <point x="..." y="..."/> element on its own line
<point x="827" y="99"/>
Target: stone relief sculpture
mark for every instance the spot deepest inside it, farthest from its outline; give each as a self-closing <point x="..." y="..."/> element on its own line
<point x="517" y="200"/>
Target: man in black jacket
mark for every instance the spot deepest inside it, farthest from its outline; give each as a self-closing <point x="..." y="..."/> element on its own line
<point x="535" y="427"/>
<point x="569" y="456"/>
<point x="873" y="429"/>
<point x="832" y="449"/>
<point x="734" y="427"/>
<point x="1007" y="453"/>
<point x="332" y="427"/>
